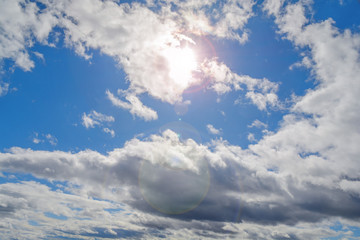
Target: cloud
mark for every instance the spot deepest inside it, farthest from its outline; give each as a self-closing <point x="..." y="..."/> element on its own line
<point x="227" y="21"/>
<point x="251" y="137"/>
<point x="4" y="88"/>
<point x="52" y="140"/>
<point x="258" y="124"/>
<point x="320" y="128"/>
<point x="109" y="131"/>
<point x="76" y="216"/>
<point x="40" y="56"/>
<point x="112" y="28"/>
<point x="41" y="138"/>
<point x="241" y="189"/>
<point x="135" y="106"/>
<point x="94" y="118"/>
<point x="261" y="92"/>
<point x="295" y="183"/>
<point x="213" y="130"/>
<point x="22" y="24"/>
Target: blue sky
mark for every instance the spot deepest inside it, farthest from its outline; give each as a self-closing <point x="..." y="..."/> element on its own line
<point x="179" y="119"/>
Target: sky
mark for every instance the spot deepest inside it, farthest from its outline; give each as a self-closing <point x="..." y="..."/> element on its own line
<point x="179" y="119"/>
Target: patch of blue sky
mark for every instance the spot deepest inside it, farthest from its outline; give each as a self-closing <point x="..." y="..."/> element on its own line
<point x="337" y="9"/>
<point x="55" y="103"/>
<point x="33" y="223"/>
<point x="114" y="210"/>
<point x="11" y="177"/>
<point x="55" y="216"/>
<point x="344" y="232"/>
<point x="120" y="233"/>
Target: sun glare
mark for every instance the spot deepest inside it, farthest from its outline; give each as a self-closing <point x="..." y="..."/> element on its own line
<point x="182" y="63"/>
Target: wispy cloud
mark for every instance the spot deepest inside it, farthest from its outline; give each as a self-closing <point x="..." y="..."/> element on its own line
<point x="213" y="130"/>
<point x="4" y="88"/>
<point x="134" y="105"/>
<point x="43" y="138"/>
<point x="258" y="124"/>
<point x="94" y="118"/>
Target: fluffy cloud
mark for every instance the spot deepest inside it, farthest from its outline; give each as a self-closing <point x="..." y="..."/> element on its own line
<point x="229" y="18"/>
<point x="21" y="23"/>
<point x="322" y="129"/>
<point x="303" y="178"/>
<point x="111" y="28"/>
<point x="240" y="190"/>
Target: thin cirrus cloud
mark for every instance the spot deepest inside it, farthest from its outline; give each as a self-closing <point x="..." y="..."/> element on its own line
<point x="296" y="182"/>
<point x="94" y="119"/>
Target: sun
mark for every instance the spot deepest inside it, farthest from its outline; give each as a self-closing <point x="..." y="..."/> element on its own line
<point x="182" y="64"/>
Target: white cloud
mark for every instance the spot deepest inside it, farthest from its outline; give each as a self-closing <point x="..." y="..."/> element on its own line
<point x="42" y="138"/>
<point x="40" y="56"/>
<point x="4" y="88"/>
<point x="251" y="137"/>
<point x="39" y="205"/>
<point x="311" y="161"/>
<point x="134" y="105"/>
<point x="52" y="140"/>
<point x="227" y="20"/>
<point x="213" y="130"/>
<point x="258" y="124"/>
<point x="94" y="118"/>
<point x="109" y="131"/>
<point x="261" y="92"/>
<point x="236" y="178"/>
<point x="21" y="24"/>
<point x="112" y="28"/>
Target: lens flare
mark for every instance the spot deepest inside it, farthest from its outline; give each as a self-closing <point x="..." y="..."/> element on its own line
<point x="169" y="185"/>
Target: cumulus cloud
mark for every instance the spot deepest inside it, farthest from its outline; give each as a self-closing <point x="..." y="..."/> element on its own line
<point x="295" y="183"/>
<point x="240" y="188"/>
<point x="213" y="130"/>
<point x="111" y="28"/>
<point x="22" y="23"/>
<point x="322" y="126"/>
<point x="229" y="19"/>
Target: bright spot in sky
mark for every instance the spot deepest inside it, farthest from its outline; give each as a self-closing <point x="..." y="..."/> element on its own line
<point x="182" y="63"/>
